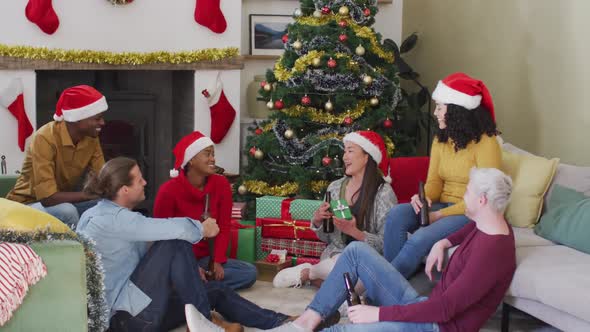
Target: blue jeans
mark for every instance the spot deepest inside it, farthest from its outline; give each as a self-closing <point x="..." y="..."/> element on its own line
<point x="407" y="254"/>
<point x="385" y="287"/>
<point x="169" y="275"/>
<point x="68" y="213"/>
<point x="237" y="274"/>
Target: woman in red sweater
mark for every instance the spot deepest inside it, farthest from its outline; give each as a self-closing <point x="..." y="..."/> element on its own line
<point x="193" y="177"/>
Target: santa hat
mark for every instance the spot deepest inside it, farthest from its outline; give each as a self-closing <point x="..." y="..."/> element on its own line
<point x="79" y="103"/>
<point x="188" y="147"/>
<point x="372" y="144"/>
<point x="460" y="89"/>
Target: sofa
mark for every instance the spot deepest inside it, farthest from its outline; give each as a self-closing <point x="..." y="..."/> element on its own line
<point x="57" y="302"/>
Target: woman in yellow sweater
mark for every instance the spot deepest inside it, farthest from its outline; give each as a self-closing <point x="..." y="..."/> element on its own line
<point x="466" y="138"/>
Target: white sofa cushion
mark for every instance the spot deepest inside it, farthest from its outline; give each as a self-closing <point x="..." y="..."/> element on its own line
<point x="526" y="237"/>
<point x="553" y="275"/>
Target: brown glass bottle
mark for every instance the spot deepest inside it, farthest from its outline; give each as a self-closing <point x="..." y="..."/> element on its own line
<point x="352" y="297"/>
<point x="328" y="223"/>
<point x="424" y="219"/>
<point x="210" y="273"/>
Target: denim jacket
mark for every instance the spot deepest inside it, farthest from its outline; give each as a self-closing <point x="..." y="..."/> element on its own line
<point x="121" y="238"/>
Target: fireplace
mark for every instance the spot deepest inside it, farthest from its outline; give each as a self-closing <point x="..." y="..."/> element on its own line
<point x="149" y="111"/>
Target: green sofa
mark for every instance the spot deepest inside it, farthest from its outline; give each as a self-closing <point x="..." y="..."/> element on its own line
<point x="58" y="301"/>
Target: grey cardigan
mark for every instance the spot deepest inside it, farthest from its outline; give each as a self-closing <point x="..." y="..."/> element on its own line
<point x="385" y="199"/>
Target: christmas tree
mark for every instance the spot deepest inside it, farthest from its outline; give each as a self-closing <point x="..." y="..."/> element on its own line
<point x="334" y="77"/>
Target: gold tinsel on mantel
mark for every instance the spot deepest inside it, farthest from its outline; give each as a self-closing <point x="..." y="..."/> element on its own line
<point x="117" y="58"/>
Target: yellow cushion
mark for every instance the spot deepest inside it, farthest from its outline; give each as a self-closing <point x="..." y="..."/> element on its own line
<point x="22" y="218"/>
<point x="531" y="176"/>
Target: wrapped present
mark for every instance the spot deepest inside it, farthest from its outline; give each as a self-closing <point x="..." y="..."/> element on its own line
<point x="267" y="270"/>
<point x="286" y="208"/>
<point x="297" y="260"/>
<point x="260" y="254"/>
<point x="341" y="209"/>
<point x="286" y="229"/>
<point x="242" y="241"/>
<point x="293" y="247"/>
<point x="238" y="210"/>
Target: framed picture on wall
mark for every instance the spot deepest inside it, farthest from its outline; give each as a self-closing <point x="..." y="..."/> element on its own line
<point x="266" y="32"/>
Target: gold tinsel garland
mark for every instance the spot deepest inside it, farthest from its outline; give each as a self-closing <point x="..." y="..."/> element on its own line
<point x="325" y="117"/>
<point x="112" y="58"/>
<point x="283" y="74"/>
<point x="389" y="145"/>
<point x="269" y="126"/>
<point x="360" y="31"/>
<point x="286" y="189"/>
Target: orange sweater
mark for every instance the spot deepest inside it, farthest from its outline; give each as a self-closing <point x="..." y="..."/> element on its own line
<point x="448" y="173"/>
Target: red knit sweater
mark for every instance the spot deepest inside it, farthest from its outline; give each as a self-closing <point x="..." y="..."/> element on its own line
<point x="178" y="198"/>
<point x="471" y="287"/>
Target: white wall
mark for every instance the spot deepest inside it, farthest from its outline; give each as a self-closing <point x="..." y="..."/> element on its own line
<point x="8" y="124"/>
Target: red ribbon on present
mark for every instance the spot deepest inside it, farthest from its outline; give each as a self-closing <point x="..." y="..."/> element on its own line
<point x="286" y="207"/>
<point x="272" y="258"/>
<point x="235" y="227"/>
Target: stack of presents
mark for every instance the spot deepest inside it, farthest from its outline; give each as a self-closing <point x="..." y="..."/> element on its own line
<point x="280" y="236"/>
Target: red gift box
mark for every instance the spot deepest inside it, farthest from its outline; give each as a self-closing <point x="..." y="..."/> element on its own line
<point x="294" y="247"/>
<point x="286" y="229"/>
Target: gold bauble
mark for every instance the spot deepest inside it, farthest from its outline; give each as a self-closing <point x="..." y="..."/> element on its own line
<point x="289" y="134"/>
<point x="267" y="87"/>
<point x="297" y="44"/>
<point x="316" y="62"/>
<point x="329" y="106"/>
<point x="360" y="50"/>
<point x="258" y="154"/>
<point x="270" y="105"/>
<point x="343" y="10"/>
<point x="317" y="14"/>
<point x="353" y="63"/>
<point x="242" y="190"/>
<point x="374" y="101"/>
<point x="367" y="79"/>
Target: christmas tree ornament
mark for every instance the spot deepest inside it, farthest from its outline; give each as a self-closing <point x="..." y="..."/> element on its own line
<point x="258" y="131"/>
<point x="360" y="50"/>
<point x="262" y="84"/>
<point x="208" y="14"/>
<point x="289" y="134"/>
<point x="343" y="24"/>
<point x="305" y="100"/>
<point x="317" y="14"/>
<point x="326" y="161"/>
<point x="316" y="62"/>
<point x="337" y="162"/>
<point x="388" y="123"/>
<point x="42" y="14"/>
<point x="267" y="87"/>
<point x="374" y="101"/>
<point x="343" y="10"/>
<point x="258" y="154"/>
<point x="270" y="105"/>
<point x="329" y="106"/>
<point x="222" y="112"/>
<point x="297" y="45"/>
<point x="348" y="120"/>
<point x="242" y="190"/>
<point x="343" y="38"/>
<point x="353" y="63"/>
<point x="367" y="12"/>
<point x="367" y="79"/>
<point x="297" y="12"/>
<point x="279" y="104"/>
<point x="285" y="38"/>
<point x="325" y="10"/>
<point x="332" y="63"/>
<point x="12" y="98"/>
<point x="252" y="151"/>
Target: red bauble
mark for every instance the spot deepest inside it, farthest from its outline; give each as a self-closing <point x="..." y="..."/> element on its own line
<point x="348" y="120"/>
<point x="285" y="38"/>
<point x="388" y="123"/>
<point x="279" y="104"/>
<point x="332" y="63"/>
<point x="305" y="100"/>
<point x="252" y="151"/>
<point x="343" y="38"/>
<point x="326" y="10"/>
<point x="258" y="131"/>
<point x="262" y="84"/>
<point x="343" y="24"/>
<point x="326" y="161"/>
<point x="367" y="12"/>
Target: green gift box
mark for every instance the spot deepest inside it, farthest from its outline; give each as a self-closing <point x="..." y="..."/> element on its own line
<point x="242" y="244"/>
<point x="260" y="254"/>
<point x="303" y="209"/>
<point x="298" y="209"/>
<point x="341" y="209"/>
<point x="269" y="206"/>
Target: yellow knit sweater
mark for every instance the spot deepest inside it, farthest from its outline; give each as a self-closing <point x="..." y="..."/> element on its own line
<point x="448" y="173"/>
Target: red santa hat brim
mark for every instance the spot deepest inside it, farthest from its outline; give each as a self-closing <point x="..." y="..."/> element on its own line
<point x="196" y="147"/>
<point x="446" y="95"/>
<point x="85" y="112"/>
<point x="378" y="154"/>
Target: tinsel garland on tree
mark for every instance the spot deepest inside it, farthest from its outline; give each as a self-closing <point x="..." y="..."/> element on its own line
<point x="98" y="312"/>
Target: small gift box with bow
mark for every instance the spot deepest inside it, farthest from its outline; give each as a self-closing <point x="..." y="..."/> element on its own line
<point x="341" y="209"/>
<point x="268" y="268"/>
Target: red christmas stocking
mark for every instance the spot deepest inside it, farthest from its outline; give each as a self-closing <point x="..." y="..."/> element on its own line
<point x="222" y="112"/>
<point x="208" y="14"/>
<point x="12" y="98"/>
<point x="41" y="13"/>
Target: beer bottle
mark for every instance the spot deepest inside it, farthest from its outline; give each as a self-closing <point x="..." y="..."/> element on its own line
<point x="328" y="223"/>
<point x="210" y="273"/>
<point x="424" y="219"/>
<point x="351" y="298"/>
